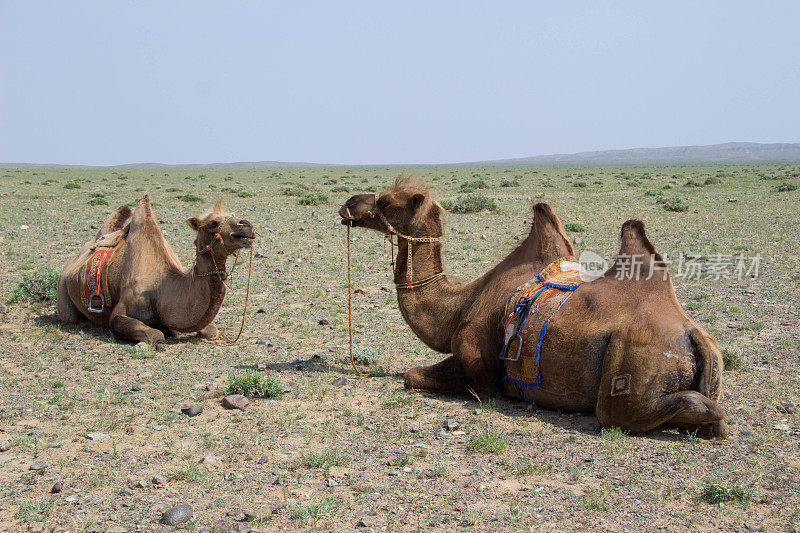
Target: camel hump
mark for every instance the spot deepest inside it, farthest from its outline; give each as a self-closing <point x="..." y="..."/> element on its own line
<point x="549" y="233"/>
<point x="115" y="221"/>
<point x="143" y="215"/>
<point x="637" y="258"/>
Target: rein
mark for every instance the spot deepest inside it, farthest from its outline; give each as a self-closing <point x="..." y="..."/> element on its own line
<point x="410" y="285"/>
<point x="210" y="249"/>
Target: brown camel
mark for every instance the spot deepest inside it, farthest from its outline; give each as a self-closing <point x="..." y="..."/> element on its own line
<point x="621" y="348"/>
<point x="148" y="289"/>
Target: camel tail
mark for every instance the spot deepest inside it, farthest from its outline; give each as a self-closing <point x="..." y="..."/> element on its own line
<point x="709" y="364"/>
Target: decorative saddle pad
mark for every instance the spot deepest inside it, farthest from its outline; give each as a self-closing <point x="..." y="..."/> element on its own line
<point x="528" y="312"/>
<point x="95" y="273"/>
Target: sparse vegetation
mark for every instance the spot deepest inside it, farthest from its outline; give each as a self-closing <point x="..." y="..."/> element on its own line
<point x="674" y="204"/>
<point x="313" y="198"/>
<point x="471" y="203"/>
<point x="191" y="198"/>
<point x="717" y="492"/>
<point x="36" y="286"/>
<point x="325" y="459"/>
<point x="575" y="227"/>
<point x="487" y="441"/>
<point x="254" y="385"/>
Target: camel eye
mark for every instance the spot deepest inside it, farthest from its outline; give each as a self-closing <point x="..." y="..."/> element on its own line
<point x="213" y="224"/>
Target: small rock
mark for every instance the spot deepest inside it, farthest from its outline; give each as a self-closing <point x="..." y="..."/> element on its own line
<point x="386" y="289"/>
<point x="393" y="473"/>
<point x="125" y="491"/>
<point x="261" y="310"/>
<point x="745" y="432"/>
<point x="269" y="402"/>
<point x="407" y="469"/>
<point x="263" y="460"/>
<point x="359" y="291"/>
<point x="136" y="387"/>
<point x="209" y="459"/>
<point x="56" y="488"/>
<point x="260" y="367"/>
<point x="332" y="482"/>
<point x="324" y="322"/>
<point x="442" y="434"/>
<point x="477" y="411"/>
<point x="192" y="411"/>
<point x="177" y="515"/>
<point x="451" y="424"/>
<point x="71" y="498"/>
<point x="141" y="347"/>
<point x="4" y="445"/>
<point x="242" y="528"/>
<point x="787" y="408"/>
<point x="98" y="436"/>
<point x="3" y="309"/>
<point x="38" y="466"/>
<point x="339" y="382"/>
<point x="158" y="479"/>
<point x="263" y="342"/>
<point x="235" y="401"/>
<point x="286" y="388"/>
<point x="141" y="484"/>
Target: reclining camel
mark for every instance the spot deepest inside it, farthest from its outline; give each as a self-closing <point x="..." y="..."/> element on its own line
<point x="145" y="289"/>
<point x="621" y="348"/>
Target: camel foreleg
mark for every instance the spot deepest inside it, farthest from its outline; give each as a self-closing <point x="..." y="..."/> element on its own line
<point x="127" y="328"/>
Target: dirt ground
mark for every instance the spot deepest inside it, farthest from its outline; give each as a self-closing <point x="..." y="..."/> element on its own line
<point x="340" y="452"/>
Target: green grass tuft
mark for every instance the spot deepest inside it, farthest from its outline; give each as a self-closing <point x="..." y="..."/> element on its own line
<point x="36" y="510"/>
<point x="97" y="200"/>
<point x="575" y="227"/>
<point x="313" y="198"/>
<point x="471" y="203"/>
<point x="254" y="385"/>
<point x="190" y="198"/>
<point x="715" y="492"/>
<point x="325" y="459"/>
<point x="40" y="285"/>
<point x="674" y="204"/>
<point x="487" y="441"/>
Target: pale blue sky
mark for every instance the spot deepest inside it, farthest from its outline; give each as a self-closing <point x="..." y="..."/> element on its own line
<point x="379" y="82"/>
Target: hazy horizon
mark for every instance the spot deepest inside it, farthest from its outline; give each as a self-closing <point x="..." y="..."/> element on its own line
<point x="363" y="84"/>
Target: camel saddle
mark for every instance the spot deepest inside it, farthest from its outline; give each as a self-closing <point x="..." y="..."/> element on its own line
<point x="95" y="273"/>
<point x="528" y="312"/>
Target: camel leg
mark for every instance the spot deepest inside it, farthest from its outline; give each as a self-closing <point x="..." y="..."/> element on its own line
<point x="628" y="397"/>
<point x="208" y="332"/>
<point x="446" y="376"/>
<point x="127" y="328"/>
<point x="68" y="313"/>
<point x="467" y="371"/>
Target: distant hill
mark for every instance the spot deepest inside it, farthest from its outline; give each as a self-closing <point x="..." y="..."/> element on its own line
<point x="714" y="153"/>
<point x="241" y="164"/>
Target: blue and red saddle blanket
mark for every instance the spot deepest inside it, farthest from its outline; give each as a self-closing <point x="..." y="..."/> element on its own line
<point x="527" y="314"/>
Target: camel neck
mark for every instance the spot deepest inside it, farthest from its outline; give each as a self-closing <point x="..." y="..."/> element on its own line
<point x="433" y="310"/>
<point x="195" y="296"/>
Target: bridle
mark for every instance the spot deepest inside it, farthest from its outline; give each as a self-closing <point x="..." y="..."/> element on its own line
<point x="223" y="276"/>
<point x="410" y="285"/>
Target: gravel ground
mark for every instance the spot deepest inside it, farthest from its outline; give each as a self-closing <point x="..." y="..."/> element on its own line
<point x="101" y="421"/>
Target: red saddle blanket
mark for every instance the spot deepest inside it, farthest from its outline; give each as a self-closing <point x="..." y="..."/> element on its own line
<point x="528" y="313"/>
<point x="95" y="273"/>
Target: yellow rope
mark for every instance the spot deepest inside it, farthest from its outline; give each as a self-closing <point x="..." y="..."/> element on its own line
<point x="227" y="339"/>
<point x="350" y="306"/>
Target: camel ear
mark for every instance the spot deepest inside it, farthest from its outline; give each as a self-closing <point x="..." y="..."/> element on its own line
<point x="417" y="200"/>
<point x="194" y="223"/>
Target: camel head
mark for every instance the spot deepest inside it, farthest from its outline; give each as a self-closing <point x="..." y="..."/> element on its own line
<point x="407" y="206"/>
<point x="223" y="231"/>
